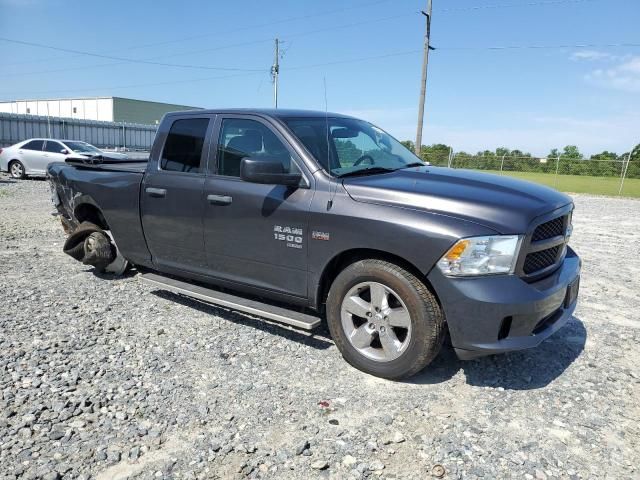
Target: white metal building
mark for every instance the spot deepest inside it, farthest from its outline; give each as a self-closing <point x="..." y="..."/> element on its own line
<point x="108" y="109"/>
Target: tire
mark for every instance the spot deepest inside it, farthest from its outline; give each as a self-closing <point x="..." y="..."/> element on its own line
<point x="98" y="251"/>
<point x="16" y="170"/>
<point x="406" y="333"/>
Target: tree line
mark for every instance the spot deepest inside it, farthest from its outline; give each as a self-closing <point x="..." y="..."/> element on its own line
<point x="567" y="161"/>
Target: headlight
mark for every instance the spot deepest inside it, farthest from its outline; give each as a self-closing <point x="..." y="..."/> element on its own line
<point x="481" y="256"/>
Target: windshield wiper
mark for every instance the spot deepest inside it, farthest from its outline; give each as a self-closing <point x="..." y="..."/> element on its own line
<point x="413" y="164"/>
<point x="366" y="171"/>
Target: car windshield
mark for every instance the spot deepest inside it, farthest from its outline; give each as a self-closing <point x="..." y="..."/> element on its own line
<point x="82" y="147"/>
<point x="348" y="146"/>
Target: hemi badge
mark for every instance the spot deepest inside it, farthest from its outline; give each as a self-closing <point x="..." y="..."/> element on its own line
<point x="320" y="235"/>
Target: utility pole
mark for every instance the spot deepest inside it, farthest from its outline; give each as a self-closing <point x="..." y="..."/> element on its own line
<point x="423" y="84"/>
<point x="275" y="70"/>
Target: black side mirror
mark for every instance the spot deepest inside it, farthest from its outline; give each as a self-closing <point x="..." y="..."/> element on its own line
<point x="267" y="171"/>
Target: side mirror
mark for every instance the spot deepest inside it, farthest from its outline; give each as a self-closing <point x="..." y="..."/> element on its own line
<point x="267" y="171"/>
<point x="64" y="151"/>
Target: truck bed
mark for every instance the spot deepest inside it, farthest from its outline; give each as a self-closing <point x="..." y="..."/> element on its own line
<point x="104" y="162"/>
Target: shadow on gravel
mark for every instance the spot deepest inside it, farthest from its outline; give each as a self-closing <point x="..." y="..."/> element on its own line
<point x="319" y="340"/>
<point x="522" y="370"/>
<point x="132" y="272"/>
<point x="7" y="181"/>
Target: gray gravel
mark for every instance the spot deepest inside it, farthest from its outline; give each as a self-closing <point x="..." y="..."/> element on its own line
<point x="104" y="377"/>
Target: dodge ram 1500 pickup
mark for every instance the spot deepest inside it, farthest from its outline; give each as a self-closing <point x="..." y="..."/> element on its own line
<point x="301" y="217"/>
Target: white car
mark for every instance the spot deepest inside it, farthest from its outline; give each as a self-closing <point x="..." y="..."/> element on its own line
<point x="31" y="157"/>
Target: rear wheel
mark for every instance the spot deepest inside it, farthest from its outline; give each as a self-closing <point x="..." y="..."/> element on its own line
<point x="384" y="320"/>
<point x="16" y="169"/>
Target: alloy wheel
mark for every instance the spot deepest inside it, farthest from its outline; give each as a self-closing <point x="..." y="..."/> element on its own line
<point x="376" y="321"/>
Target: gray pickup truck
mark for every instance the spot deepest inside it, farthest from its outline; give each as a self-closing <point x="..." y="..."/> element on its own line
<point x="302" y="217"/>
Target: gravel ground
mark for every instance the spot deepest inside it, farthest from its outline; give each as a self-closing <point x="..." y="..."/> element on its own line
<point x="104" y="377"/>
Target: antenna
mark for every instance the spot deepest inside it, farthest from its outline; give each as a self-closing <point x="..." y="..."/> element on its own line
<point x="334" y="182"/>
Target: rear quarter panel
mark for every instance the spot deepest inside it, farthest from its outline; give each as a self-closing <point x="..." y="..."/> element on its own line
<point x="115" y="193"/>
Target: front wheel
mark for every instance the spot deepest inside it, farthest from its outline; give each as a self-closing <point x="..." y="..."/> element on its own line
<point x="16" y="169"/>
<point x="384" y="320"/>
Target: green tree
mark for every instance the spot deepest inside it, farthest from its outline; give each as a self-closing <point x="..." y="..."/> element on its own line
<point x="571" y="152"/>
<point x="554" y="153"/>
<point x="409" y="144"/>
<point x="606" y="155"/>
<point x="437" y="154"/>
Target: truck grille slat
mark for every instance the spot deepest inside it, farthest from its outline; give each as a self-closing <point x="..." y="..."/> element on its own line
<point x="550" y="229"/>
<point x="540" y="260"/>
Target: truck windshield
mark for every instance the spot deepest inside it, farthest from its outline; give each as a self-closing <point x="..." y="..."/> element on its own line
<point x="348" y="146"/>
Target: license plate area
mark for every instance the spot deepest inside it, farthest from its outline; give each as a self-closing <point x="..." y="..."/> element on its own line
<point x="572" y="293"/>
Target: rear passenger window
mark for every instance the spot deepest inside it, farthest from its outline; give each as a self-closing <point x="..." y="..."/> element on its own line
<point x="53" y="147"/>
<point x="34" y="145"/>
<point x="183" y="148"/>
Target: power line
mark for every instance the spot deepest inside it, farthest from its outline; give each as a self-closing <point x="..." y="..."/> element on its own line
<point x="514" y="5"/>
<point x="542" y="47"/>
<point x="221" y="47"/>
<point x="111" y="64"/>
<point x="226" y="32"/>
<point x="293" y="19"/>
<point x="141" y="85"/>
<point x="128" y="60"/>
<point x="343" y="62"/>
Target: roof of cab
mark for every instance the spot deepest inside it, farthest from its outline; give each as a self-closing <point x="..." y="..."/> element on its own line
<point x="266" y="112"/>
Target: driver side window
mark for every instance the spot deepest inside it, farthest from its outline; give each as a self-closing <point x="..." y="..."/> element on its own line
<point x="240" y="138"/>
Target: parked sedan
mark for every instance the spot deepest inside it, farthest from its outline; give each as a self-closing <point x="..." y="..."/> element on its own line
<point x="31" y="157"/>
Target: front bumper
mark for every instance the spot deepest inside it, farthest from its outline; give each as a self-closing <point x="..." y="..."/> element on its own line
<point x="502" y="313"/>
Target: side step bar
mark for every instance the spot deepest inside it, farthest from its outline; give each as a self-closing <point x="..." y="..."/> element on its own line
<point x="233" y="302"/>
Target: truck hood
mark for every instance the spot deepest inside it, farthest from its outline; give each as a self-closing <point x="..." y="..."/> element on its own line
<point x="504" y="204"/>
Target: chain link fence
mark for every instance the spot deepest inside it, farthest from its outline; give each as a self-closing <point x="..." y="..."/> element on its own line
<point x="619" y="177"/>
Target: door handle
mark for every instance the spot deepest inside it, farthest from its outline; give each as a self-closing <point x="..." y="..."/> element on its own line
<point x="156" y="192"/>
<point x="219" y="199"/>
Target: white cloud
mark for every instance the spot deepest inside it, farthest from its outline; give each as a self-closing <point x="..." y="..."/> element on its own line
<point x="624" y="76"/>
<point x="590" y="55"/>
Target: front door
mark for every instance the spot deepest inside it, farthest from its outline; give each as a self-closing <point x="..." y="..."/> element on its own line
<point x="255" y="234"/>
<point x="171" y="195"/>
<point x="52" y="153"/>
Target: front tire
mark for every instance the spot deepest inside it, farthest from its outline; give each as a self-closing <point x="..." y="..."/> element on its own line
<point x="384" y="320"/>
<point x="16" y="169"/>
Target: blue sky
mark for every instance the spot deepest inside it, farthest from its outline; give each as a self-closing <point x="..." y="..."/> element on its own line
<point x="369" y="53"/>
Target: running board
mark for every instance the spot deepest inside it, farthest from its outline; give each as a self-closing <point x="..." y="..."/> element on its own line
<point x="233" y="302"/>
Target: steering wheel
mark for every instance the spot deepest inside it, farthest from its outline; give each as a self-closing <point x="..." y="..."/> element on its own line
<point x="361" y="160"/>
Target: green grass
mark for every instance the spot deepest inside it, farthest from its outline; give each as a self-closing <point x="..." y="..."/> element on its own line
<point x="580" y="183"/>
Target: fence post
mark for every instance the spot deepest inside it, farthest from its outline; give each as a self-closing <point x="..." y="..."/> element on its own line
<point x="555" y="181"/>
<point x="624" y="174"/>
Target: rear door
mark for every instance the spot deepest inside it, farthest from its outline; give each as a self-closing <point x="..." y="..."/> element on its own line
<point x="31" y="156"/>
<point x="171" y="195"/>
<point x="255" y="234"/>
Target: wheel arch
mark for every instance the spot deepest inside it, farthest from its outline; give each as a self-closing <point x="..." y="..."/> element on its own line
<point x="89" y="212"/>
<point x="343" y="259"/>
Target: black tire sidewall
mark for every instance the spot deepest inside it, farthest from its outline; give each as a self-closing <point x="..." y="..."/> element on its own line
<point x="425" y="338"/>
